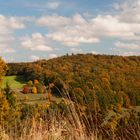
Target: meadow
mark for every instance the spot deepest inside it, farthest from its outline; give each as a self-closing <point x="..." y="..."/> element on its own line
<point x="14" y="81"/>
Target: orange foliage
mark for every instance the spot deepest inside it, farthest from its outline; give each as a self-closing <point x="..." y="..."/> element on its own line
<point x="34" y="90"/>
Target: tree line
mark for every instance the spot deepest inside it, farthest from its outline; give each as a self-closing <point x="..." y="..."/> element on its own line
<point x="107" y="81"/>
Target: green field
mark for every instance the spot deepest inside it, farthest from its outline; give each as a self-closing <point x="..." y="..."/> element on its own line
<point x="15" y="82"/>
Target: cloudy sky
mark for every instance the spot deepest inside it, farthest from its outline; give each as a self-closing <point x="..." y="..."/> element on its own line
<point x="38" y="29"/>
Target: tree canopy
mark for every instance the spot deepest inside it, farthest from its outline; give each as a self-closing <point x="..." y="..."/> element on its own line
<point x="111" y="80"/>
<point x="3" y="69"/>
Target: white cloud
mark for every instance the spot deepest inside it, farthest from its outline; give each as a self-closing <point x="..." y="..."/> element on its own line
<point x="76" y="50"/>
<point x="129" y="11"/>
<point x="34" y="57"/>
<point x="110" y="26"/>
<point x="37" y="42"/>
<point x="8" y="25"/>
<point x="75" y="30"/>
<point x="4" y="50"/>
<point x="130" y="53"/>
<point x="131" y="46"/>
<point x="69" y="31"/>
<point x="53" y="21"/>
<point x="40" y="48"/>
<point x="6" y="40"/>
<point x="43" y="6"/>
<point x="77" y="19"/>
<point x="72" y="37"/>
<point x="123" y="25"/>
<point x="56" y="21"/>
<point x="94" y="52"/>
<point x="15" y="23"/>
<point x="8" y="59"/>
<point x="88" y="15"/>
<point x="53" y="5"/>
<point x="53" y="55"/>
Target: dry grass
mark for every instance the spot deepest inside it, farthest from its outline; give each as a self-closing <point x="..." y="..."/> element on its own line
<point x="55" y="127"/>
<point x="71" y="126"/>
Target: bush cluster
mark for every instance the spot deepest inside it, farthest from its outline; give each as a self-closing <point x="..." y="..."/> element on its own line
<point x="34" y="87"/>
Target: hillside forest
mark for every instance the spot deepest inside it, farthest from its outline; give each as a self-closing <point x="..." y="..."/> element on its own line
<point x="102" y="92"/>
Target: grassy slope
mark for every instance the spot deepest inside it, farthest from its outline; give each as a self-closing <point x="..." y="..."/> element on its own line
<point x="15" y="82"/>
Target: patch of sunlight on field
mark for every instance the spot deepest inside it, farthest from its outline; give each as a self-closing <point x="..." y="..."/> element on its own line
<point x="15" y="82"/>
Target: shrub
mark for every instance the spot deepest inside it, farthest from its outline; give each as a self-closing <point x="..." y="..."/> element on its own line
<point x="34" y="90"/>
<point x="26" y="89"/>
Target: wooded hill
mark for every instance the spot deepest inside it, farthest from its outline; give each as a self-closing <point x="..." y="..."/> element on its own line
<point x="99" y="81"/>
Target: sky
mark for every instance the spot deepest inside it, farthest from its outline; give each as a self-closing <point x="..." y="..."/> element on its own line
<point x="44" y="29"/>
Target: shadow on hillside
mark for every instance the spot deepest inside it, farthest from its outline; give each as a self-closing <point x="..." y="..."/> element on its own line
<point x="21" y="79"/>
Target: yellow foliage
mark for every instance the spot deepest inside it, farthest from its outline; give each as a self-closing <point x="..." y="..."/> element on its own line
<point x="26" y="98"/>
<point x="30" y="83"/>
<point x="34" y="90"/>
<point x="113" y="125"/>
<point x="49" y="96"/>
<point x="4" y="106"/>
<point x="42" y="89"/>
<point x="119" y="108"/>
<point x="3" y="69"/>
<point x="36" y="81"/>
<point x="106" y="82"/>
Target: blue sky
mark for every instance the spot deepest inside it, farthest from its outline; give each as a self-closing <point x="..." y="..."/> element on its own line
<point x="38" y="29"/>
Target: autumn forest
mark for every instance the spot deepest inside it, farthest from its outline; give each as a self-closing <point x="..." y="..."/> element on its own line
<point x="98" y="95"/>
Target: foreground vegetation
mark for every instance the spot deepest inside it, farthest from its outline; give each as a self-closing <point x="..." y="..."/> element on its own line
<point x="99" y="99"/>
<point x="64" y="121"/>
